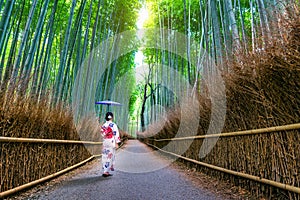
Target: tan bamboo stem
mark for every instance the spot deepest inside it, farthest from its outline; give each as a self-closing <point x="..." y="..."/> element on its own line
<point x="239" y="133"/>
<point x="33" y="140"/>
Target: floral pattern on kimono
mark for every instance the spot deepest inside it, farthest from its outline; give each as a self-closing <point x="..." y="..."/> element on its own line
<point x="109" y="147"/>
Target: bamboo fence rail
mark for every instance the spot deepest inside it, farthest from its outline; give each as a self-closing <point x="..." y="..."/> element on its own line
<point x="39" y="181"/>
<point x="24" y="162"/>
<point x="247" y="176"/>
<point x="237" y="133"/>
<point x="54" y="175"/>
<point x="255" y="159"/>
<point x="33" y="140"/>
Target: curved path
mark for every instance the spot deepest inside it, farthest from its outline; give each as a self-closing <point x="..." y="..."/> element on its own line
<point x="140" y="174"/>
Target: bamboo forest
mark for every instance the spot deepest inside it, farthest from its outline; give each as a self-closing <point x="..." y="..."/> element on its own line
<point x="213" y="85"/>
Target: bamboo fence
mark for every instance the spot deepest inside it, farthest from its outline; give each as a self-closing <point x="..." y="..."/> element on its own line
<point x="41" y="180"/>
<point x="33" y="140"/>
<point x="237" y="133"/>
<point x="247" y="176"/>
<point x="9" y="176"/>
<point x="265" y="161"/>
<point x="26" y="160"/>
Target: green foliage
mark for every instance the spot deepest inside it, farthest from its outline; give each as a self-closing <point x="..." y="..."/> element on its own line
<point x="132" y="103"/>
<point x="194" y="18"/>
<point x="173" y="11"/>
<point x="114" y="16"/>
<point x="125" y="15"/>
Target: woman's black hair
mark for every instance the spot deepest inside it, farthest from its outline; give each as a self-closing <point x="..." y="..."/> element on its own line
<point x="109" y="116"/>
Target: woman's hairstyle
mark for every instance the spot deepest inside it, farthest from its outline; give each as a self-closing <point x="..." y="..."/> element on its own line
<point x="109" y="116"/>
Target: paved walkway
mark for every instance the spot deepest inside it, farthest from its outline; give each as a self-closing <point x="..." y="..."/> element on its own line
<point x="140" y="174"/>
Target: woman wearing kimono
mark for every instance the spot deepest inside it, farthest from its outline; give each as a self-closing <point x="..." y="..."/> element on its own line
<point x="111" y="138"/>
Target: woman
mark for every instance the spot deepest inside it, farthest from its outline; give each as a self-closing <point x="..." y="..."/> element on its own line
<point x="111" y="138"/>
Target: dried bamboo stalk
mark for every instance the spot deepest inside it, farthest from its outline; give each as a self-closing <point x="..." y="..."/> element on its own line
<point x="33" y="140"/>
<point x="238" y="133"/>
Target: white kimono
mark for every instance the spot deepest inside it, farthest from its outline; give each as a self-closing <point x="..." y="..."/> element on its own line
<point x="109" y="147"/>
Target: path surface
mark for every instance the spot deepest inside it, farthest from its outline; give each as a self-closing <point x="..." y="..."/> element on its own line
<point x="140" y="174"/>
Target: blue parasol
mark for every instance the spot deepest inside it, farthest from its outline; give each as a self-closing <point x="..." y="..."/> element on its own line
<point x="108" y="103"/>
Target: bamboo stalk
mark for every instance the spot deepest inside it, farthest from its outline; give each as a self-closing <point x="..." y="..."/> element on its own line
<point x="238" y="133"/>
<point x="247" y="176"/>
<point x="33" y="183"/>
<point x="33" y="140"/>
